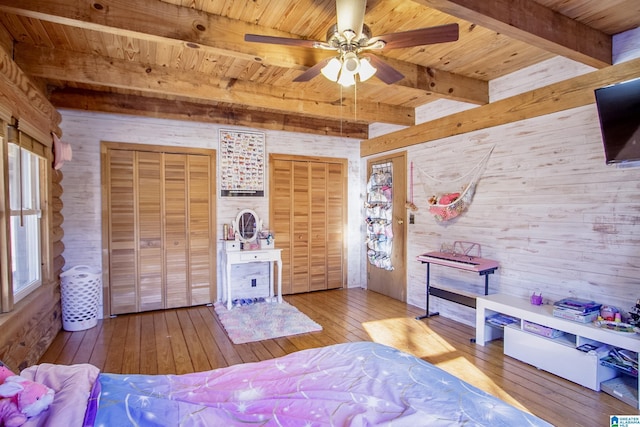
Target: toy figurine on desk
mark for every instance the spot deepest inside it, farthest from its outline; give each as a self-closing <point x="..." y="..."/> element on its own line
<point x="635" y="315"/>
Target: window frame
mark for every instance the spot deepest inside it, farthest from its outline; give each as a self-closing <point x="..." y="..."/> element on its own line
<point x="10" y="134"/>
<point x="30" y="200"/>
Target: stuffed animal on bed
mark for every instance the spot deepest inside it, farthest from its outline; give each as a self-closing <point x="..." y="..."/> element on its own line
<point x="20" y="398"/>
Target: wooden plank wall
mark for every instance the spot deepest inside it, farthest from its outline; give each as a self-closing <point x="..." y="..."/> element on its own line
<point x="557" y="218"/>
<point x="84" y="131"/>
<point x="547" y="208"/>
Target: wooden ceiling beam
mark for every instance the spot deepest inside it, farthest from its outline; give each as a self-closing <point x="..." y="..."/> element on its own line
<point x="22" y="96"/>
<point x="162" y="22"/>
<point x="535" y="24"/>
<point x="123" y="74"/>
<point x="440" y="83"/>
<point x="564" y="95"/>
<point x="226" y="114"/>
<point x="156" y="21"/>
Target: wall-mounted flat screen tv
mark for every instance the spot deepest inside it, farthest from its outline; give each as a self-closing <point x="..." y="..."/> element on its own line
<point x="619" y="112"/>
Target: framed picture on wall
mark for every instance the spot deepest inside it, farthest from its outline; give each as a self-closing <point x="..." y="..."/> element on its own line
<point x="241" y="162"/>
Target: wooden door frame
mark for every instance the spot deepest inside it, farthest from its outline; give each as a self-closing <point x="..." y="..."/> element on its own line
<point x="345" y="191"/>
<point x="105" y="146"/>
<point x="402" y="155"/>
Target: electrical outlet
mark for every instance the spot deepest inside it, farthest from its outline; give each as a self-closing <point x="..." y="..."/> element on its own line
<point x="254" y="283"/>
<point x="412" y="218"/>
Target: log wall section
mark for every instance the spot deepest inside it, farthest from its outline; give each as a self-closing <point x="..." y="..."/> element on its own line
<point x="29" y="328"/>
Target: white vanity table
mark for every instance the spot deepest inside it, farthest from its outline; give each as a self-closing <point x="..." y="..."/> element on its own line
<point x="246" y="228"/>
<point x="230" y="257"/>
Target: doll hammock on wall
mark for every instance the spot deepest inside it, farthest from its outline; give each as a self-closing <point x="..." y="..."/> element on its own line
<point x="449" y="199"/>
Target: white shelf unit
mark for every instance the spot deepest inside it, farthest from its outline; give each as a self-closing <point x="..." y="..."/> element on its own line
<point x="556" y="355"/>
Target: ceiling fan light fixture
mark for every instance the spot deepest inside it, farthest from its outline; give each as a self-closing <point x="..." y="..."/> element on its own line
<point x="346" y="79"/>
<point x="350" y="63"/>
<point x="332" y="69"/>
<point x="366" y="70"/>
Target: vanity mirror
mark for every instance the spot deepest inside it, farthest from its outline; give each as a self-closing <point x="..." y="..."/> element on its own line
<point x="247" y="225"/>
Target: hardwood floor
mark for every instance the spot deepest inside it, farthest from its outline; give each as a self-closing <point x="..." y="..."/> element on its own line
<point x="192" y="339"/>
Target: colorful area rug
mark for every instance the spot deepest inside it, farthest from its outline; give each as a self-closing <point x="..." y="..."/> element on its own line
<point x="263" y="321"/>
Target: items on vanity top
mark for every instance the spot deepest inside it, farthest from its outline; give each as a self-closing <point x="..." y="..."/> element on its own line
<point x="246" y="233"/>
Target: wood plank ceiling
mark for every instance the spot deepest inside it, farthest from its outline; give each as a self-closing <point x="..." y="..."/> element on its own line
<point x="187" y="59"/>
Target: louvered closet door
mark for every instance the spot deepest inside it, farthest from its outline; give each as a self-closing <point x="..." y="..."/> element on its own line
<point x="336" y="209"/>
<point x="308" y="216"/>
<point x="150" y="239"/>
<point x="318" y="227"/>
<point x="123" y="273"/>
<point x="176" y="230"/>
<point x="202" y="249"/>
<point x="135" y="231"/>
<point x="281" y="213"/>
<point x="188" y="246"/>
<point x="161" y="224"/>
<point x="300" y="221"/>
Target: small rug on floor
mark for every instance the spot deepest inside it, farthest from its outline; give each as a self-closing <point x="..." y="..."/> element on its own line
<point x="263" y="321"/>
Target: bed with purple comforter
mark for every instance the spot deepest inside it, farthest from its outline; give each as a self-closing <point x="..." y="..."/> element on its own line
<point x="358" y="384"/>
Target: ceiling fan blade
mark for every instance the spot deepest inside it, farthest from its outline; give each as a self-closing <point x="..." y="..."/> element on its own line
<point x="419" y="37"/>
<point x="385" y="72"/>
<point x="257" y="38"/>
<point x="312" y="72"/>
<point x="350" y="15"/>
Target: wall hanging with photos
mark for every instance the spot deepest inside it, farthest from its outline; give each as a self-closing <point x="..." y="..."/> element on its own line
<point x="241" y="162"/>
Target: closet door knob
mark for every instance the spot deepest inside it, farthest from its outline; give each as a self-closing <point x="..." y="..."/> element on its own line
<point x="400" y="221"/>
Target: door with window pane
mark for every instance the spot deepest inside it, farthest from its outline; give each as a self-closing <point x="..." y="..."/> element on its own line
<point x="161" y="227"/>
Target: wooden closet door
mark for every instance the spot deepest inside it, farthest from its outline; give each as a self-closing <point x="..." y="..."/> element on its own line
<point x="161" y="228"/>
<point x="123" y="270"/>
<point x="136" y="275"/>
<point x="318" y="226"/>
<point x="281" y="214"/>
<point x="202" y="249"/>
<point x="300" y="222"/>
<point x="189" y="230"/>
<point x="150" y="231"/>
<point x="308" y="217"/>
<point x="336" y="211"/>
<point x="176" y="231"/>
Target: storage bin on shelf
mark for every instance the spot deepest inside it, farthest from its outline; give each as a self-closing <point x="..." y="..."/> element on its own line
<point x="80" y="289"/>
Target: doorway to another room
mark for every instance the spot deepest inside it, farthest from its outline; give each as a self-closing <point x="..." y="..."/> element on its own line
<point x="385" y="215"/>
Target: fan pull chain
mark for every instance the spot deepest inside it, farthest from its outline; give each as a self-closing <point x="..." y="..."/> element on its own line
<point x="355" y="102"/>
<point x="341" y="110"/>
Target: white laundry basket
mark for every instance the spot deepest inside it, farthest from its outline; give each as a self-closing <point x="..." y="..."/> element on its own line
<point x="80" y="288"/>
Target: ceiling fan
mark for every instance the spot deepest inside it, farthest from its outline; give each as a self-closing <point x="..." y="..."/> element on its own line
<point x="352" y="39"/>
